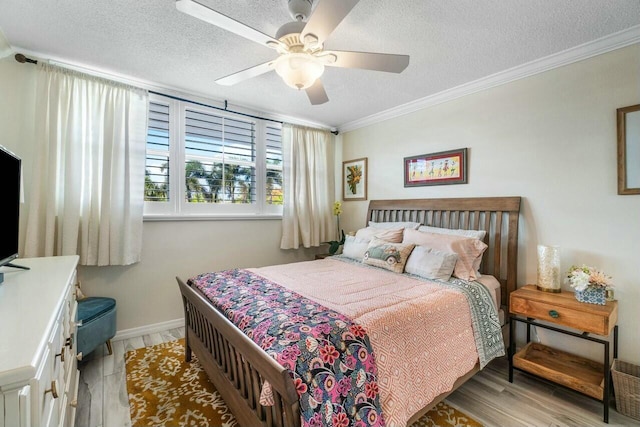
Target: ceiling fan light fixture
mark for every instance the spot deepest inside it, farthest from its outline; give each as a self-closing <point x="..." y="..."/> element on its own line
<point x="299" y="70"/>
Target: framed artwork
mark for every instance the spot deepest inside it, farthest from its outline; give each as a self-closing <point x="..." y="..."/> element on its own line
<point x="629" y="149"/>
<point x="445" y="167"/>
<point x="354" y="179"/>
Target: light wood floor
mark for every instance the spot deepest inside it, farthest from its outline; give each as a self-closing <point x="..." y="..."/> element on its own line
<point x="488" y="397"/>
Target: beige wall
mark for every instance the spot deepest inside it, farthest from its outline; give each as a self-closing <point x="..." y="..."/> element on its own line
<point x="146" y="292"/>
<point x="17" y="94"/>
<point x="550" y="138"/>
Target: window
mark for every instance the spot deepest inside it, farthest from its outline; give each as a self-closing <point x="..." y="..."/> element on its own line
<point x="202" y="161"/>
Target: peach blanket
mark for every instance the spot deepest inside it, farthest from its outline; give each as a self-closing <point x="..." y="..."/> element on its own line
<point x="421" y="332"/>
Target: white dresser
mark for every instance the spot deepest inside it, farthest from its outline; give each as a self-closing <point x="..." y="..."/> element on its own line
<point x="38" y="365"/>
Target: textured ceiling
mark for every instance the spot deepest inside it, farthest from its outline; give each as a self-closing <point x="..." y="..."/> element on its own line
<point x="451" y="42"/>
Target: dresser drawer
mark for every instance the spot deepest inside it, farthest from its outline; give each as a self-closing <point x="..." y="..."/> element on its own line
<point x="42" y="392"/>
<point x="68" y="415"/>
<point x="70" y="332"/>
<point x="50" y="376"/>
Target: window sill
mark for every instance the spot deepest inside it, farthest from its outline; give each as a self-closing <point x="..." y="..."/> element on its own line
<point x="221" y="217"/>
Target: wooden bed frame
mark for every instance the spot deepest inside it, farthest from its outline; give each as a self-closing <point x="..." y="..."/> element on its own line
<point x="238" y="367"/>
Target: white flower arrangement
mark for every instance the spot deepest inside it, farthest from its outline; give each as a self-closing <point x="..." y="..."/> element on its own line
<point x="581" y="278"/>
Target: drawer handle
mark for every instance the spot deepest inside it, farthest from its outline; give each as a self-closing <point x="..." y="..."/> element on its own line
<point x="554" y="314"/>
<point x="69" y="342"/>
<point x="61" y="354"/>
<point x="53" y="390"/>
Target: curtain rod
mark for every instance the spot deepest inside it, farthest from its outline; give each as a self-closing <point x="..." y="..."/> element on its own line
<point x="177" y="98"/>
<point x="23" y="59"/>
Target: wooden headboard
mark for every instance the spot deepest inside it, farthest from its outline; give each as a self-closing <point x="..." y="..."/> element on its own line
<point x="498" y="216"/>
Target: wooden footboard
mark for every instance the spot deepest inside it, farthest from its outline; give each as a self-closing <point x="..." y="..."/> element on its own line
<point x="236" y="365"/>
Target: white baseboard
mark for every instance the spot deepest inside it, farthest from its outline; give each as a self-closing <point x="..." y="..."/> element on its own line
<point x="148" y="329"/>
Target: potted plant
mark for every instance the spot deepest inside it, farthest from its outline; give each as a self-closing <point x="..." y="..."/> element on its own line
<point x="334" y="245"/>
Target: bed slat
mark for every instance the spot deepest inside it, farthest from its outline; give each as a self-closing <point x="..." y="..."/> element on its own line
<point x="256" y="385"/>
<point x="497" y="243"/>
<point x="278" y="415"/>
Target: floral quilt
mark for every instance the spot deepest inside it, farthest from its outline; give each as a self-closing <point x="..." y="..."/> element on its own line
<point x="424" y="333"/>
<point x="330" y="357"/>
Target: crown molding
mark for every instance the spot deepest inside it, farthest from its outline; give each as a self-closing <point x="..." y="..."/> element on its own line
<point x="587" y="50"/>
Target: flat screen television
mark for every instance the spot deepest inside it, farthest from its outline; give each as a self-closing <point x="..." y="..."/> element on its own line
<point x="10" y="165"/>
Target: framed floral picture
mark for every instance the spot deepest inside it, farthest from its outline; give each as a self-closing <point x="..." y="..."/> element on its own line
<point x="445" y="167"/>
<point x="354" y="179"/>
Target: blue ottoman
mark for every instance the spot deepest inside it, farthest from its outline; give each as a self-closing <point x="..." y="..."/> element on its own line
<point x="97" y="319"/>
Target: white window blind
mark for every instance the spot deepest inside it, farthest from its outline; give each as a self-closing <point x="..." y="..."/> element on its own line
<point x="220" y="156"/>
<point x="274" y="195"/>
<point x="157" y="159"/>
<point x="202" y="161"/>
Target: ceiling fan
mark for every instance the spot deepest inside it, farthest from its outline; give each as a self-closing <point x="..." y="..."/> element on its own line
<point x="300" y="45"/>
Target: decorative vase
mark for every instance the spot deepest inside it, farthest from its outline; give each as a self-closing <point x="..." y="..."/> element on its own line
<point x="592" y="296"/>
<point x="549" y="269"/>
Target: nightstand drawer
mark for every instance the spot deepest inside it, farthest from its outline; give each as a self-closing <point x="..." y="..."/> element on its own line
<point x="563" y="309"/>
<point x="581" y="320"/>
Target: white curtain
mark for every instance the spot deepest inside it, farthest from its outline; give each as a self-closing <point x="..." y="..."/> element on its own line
<point x="308" y="187"/>
<point x="88" y="183"/>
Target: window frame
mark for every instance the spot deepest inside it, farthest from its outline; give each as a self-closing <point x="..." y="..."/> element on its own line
<point x="272" y="208"/>
<point x="177" y="207"/>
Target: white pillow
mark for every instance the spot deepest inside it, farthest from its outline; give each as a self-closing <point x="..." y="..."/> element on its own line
<point x="394" y="225"/>
<point x="475" y="234"/>
<point x="430" y="263"/>
<point x="354" y="248"/>
<point x="390" y="235"/>
<point x="469" y="250"/>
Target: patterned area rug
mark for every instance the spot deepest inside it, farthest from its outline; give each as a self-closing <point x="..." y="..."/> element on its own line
<point x="166" y="391"/>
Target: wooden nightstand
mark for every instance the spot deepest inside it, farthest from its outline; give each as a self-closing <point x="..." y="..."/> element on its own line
<point x="322" y="256"/>
<point x="529" y="305"/>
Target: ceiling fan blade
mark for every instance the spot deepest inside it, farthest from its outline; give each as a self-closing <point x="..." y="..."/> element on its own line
<point x="209" y="15"/>
<point x="325" y="18"/>
<point x="234" y="78"/>
<point x="316" y="93"/>
<point x="366" y="60"/>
